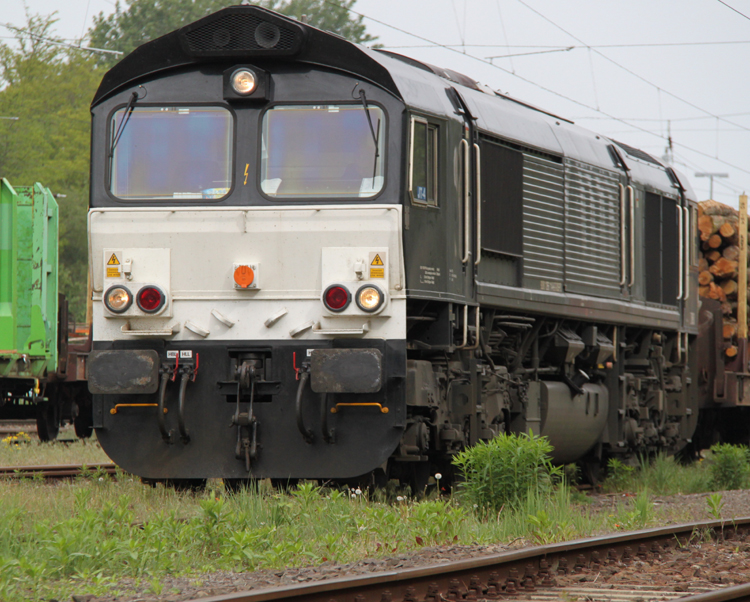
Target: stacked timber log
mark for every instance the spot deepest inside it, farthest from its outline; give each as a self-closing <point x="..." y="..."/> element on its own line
<point x="719" y="263"/>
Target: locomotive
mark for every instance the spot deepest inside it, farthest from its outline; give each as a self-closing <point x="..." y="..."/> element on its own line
<point x="311" y="259"/>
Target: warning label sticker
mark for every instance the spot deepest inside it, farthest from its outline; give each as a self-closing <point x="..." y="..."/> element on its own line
<point x="113" y="268"/>
<point x="377" y="265"/>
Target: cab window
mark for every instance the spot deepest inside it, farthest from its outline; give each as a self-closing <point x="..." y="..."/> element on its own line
<point x="322" y="151"/>
<point x="171" y="153"/>
<point x="423" y="183"/>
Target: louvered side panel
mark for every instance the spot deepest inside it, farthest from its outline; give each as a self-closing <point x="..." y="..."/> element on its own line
<point x="592" y="234"/>
<point x="543" y="228"/>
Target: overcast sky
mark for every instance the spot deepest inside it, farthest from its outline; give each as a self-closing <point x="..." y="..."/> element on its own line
<point x="634" y="65"/>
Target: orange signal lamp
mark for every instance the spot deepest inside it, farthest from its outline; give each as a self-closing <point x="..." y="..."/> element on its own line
<point x="244" y="276"/>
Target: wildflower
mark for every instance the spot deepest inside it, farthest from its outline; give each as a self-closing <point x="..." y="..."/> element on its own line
<point x="400" y="498"/>
<point x="354" y="495"/>
<point x="358" y="491"/>
<point x="438" y="476"/>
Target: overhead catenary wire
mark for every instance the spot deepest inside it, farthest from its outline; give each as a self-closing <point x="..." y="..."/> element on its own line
<point x="34" y="36"/>
<point x="581" y="47"/>
<point x="627" y="70"/>
<point x="734" y="9"/>
<point x="537" y="85"/>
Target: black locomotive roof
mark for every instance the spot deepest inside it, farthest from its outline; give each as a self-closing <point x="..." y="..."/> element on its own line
<point x="244" y="33"/>
<point x="252" y="33"/>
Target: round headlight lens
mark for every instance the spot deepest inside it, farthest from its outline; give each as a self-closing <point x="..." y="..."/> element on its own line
<point x="336" y="297"/>
<point x="118" y="299"/>
<point x="150" y="299"/>
<point x="370" y="298"/>
<point x="243" y="81"/>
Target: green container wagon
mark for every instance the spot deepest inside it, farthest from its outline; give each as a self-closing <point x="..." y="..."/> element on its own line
<point x="40" y="372"/>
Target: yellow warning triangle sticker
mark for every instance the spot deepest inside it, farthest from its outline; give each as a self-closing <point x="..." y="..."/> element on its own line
<point x="113" y="260"/>
<point x="377" y="260"/>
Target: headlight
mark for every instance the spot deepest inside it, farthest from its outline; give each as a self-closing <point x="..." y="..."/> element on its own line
<point x="244" y="81"/>
<point x="118" y="299"/>
<point x="370" y="298"/>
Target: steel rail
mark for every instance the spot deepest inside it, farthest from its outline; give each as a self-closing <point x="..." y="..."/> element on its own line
<point x="725" y="594"/>
<point x="498" y="575"/>
<point x="54" y="471"/>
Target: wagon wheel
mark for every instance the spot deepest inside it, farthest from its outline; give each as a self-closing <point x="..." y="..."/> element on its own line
<point x="48" y="417"/>
<point x="84" y="419"/>
<point x="83" y="426"/>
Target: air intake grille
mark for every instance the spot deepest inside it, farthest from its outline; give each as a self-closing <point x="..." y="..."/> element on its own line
<point x="592" y="230"/>
<point x="543" y="219"/>
<point x="240" y="33"/>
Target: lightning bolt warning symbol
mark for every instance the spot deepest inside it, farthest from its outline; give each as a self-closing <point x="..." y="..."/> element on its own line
<point x="247" y="166"/>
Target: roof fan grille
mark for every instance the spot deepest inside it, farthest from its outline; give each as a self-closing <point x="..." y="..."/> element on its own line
<point x="240" y="32"/>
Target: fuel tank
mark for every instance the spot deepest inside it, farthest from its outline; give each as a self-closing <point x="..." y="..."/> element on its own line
<point x="573" y="423"/>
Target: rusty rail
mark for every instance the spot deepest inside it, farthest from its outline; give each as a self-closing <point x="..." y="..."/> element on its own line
<point x="54" y="471"/>
<point x="499" y="576"/>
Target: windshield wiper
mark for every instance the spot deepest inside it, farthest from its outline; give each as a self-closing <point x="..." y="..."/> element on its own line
<point x="123" y="123"/>
<point x="375" y="137"/>
<point x="120" y="130"/>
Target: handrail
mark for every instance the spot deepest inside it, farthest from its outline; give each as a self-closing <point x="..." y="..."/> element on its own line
<point x="476" y="332"/>
<point x="411" y="161"/>
<point x="631" y="193"/>
<point x="467" y="210"/>
<point x="368" y="404"/>
<point x="466" y="328"/>
<point x="623" y="245"/>
<point x="681" y="254"/>
<point x="479" y="204"/>
<point x="688" y="243"/>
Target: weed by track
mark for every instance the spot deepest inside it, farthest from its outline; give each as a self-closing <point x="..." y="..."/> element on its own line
<point x="89" y="535"/>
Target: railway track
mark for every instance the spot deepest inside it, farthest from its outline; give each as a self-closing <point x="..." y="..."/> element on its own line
<point x="54" y="471"/>
<point x="561" y="571"/>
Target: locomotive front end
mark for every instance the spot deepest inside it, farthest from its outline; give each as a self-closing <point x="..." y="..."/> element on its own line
<point x="246" y="257"/>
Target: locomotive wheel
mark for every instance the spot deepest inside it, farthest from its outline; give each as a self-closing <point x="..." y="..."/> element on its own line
<point x="186" y="484"/>
<point x="240" y="485"/>
<point x="418" y="479"/>
<point x="47" y="420"/>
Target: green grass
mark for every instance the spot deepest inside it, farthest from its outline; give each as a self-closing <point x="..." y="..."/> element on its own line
<point x="90" y="535"/>
<point x="725" y="467"/>
<point x="29" y="452"/>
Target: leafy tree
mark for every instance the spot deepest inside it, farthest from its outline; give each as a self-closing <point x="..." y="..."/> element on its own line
<point x="138" y="21"/>
<point x="49" y="88"/>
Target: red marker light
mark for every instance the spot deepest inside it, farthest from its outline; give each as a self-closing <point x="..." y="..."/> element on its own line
<point x="150" y="299"/>
<point x="336" y="297"/>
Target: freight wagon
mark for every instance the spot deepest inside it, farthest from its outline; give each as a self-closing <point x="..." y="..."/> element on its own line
<point x="42" y="367"/>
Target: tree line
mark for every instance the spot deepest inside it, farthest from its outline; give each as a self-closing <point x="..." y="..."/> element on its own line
<point x="46" y="88"/>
